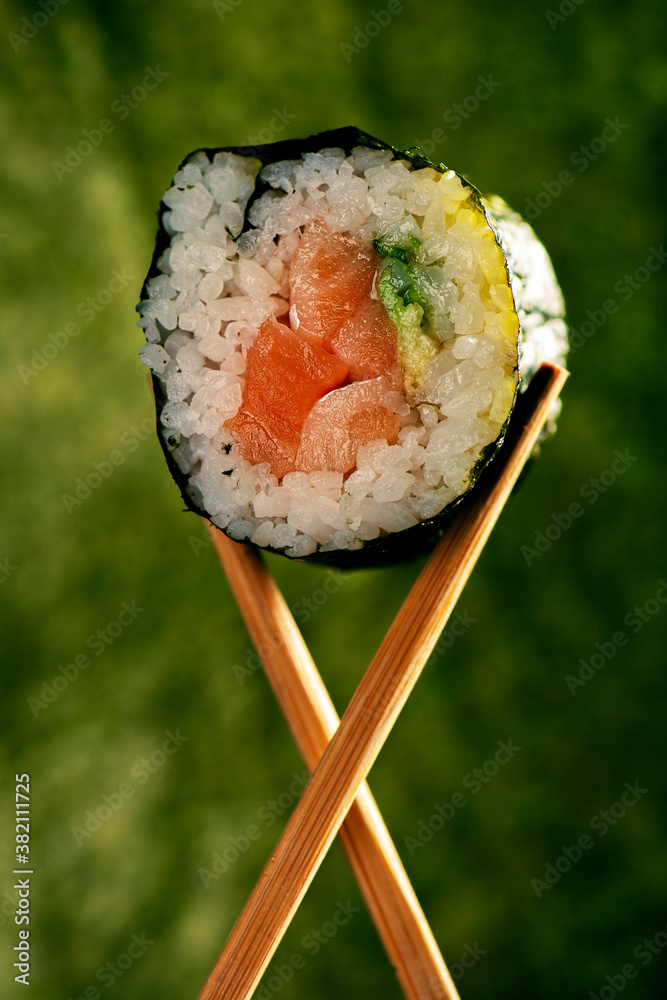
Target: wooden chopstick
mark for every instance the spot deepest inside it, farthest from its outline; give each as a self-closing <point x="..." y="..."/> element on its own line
<point x="311" y="716"/>
<point x="368" y="719"/>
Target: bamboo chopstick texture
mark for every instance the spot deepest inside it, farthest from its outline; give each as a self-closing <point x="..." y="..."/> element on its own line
<point x="313" y="720"/>
<point x="368" y="720"/>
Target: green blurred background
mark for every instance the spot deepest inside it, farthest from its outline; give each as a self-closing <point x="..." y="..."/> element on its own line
<point x="69" y="565"/>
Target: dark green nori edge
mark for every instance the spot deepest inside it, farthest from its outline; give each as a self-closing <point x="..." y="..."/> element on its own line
<point x="399" y="545"/>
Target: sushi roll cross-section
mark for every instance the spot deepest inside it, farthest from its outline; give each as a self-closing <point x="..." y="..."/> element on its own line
<point x="337" y="333"/>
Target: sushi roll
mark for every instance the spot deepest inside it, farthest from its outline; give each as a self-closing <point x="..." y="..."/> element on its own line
<point x="337" y="332"/>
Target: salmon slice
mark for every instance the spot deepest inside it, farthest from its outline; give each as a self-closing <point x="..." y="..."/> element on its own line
<point x="340" y="423"/>
<point x="266" y="438"/>
<point x="286" y="377"/>
<point x="329" y="275"/>
<point x="367" y="343"/>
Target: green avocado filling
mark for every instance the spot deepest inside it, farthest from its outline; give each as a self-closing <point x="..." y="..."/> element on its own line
<point x="406" y="250"/>
<point x="418" y="299"/>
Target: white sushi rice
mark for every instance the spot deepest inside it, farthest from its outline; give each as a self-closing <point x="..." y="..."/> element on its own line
<point x="215" y="289"/>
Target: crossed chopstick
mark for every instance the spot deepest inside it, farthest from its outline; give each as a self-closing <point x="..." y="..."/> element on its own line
<point x="340" y="754"/>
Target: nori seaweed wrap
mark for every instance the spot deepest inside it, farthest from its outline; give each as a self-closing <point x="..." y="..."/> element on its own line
<point x="337" y="332"/>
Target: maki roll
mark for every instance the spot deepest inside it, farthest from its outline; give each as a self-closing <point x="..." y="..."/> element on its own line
<point x="337" y="332"/>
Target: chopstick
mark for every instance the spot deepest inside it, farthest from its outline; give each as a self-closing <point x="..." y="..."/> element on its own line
<point x="313" y="720"/>
<point x="369" y="718"/>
